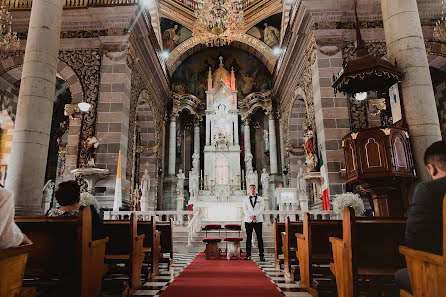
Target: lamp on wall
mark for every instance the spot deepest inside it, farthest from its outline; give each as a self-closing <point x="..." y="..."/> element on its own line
<point x="84" y="106"/>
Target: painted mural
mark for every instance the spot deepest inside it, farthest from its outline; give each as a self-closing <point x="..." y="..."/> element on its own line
<point x="268" y="30"/>
<point x="173" y="34"/>
<point x="191" y="76"/>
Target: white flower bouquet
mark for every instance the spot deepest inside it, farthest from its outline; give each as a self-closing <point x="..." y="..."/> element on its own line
<point x="348" y="199"/>
<point x="88" y="199"/>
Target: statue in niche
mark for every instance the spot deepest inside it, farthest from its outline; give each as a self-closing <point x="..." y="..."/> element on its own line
<point x="248" y="161"/>
<point x="266" y="140"/>
<point x="264" y="178"/>
<point x="271" y="35"/>
<point x="145" y="190"/>
<point x="90" y="146"/>
<point x="310" y="153"/>
<point x="180" y="183"/>
<point x="251" y="179"/>
<point x="301" y="184"/>
<point x="193" y="184"/>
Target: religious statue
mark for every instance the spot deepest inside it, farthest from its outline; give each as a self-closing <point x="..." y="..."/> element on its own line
<point x="248" y="161"/>
<point x="301" y="184"/>
<point x="170" y="38"/>
<point x="264" y="178"/>
<point x="90" y="146"/>
<point x="266" y="139"/>
<point x="135" y="198"/>
<point x="145" y="189"/>
<point x="271" y="35"/>
<point x="251" y="179"/>
<point x="310" y="153"/>
<point x="180" y="183"/>
<point x="47" y="198"/>
<point x="193" y="184"/>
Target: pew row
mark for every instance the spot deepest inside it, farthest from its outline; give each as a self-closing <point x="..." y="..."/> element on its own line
<point x="64" y="255"/>
<point x="279" y="227"/>
<point x="314" y="253"/>
<point x="12" y="270"/>
<point x="289" y="246"/>
<point x="367" y="255"/>
<point x="151" y="245"/>
<point x="427" y="271"/>
<point x="125" y="247"/>
<point x="166" y="241"/>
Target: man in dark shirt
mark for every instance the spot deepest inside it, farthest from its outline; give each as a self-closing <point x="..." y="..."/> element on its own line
<point x="424" y="228"/>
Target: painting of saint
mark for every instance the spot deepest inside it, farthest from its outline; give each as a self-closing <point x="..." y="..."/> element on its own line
<point x="173" y="34"/>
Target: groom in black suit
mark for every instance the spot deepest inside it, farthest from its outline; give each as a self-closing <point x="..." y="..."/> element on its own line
<point x="424" y="228"/>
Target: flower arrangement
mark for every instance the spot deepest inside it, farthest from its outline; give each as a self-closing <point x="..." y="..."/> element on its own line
<point x="348" y="199"/>
<point x="88" y="199"/>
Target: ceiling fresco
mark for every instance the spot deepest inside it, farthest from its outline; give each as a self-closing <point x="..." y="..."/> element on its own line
<point x="191" y="76"/>
<point x="173" y="34"/>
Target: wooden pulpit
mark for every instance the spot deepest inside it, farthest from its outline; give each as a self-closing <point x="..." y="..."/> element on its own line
<point x="380" y="160"/>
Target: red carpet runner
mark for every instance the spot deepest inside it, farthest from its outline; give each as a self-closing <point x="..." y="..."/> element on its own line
<point x="221" y="278"/>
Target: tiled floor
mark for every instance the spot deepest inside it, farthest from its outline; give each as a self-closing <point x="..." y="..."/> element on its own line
<point x="156" y="286"/>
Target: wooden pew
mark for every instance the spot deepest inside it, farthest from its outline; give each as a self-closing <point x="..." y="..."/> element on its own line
<point x="289" y="246"/>
<point x="12" y="270"/>
<point x="166" y="241"/>
<point x="427" y="271"/>
<point x="63" y="250"/>
<point x="313" y="247"/>
<point x="151" y="244"/>
<point x="367" y="254"/>
<point x="125" y="246"/>
<point x="279" y="227"/>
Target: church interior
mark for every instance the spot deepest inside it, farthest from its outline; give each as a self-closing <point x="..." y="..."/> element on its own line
<point x="144" y="142"/>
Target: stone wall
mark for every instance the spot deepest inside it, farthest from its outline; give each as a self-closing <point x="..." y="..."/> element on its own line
<point x="440" y="99"/>
<point x="296" y="134"/>
<point x="331" y="117"/>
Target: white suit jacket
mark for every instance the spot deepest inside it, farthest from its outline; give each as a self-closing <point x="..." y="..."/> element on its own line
<point x="257" y="211"/>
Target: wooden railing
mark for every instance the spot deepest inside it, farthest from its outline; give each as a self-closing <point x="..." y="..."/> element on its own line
<point x="26" y="4"/>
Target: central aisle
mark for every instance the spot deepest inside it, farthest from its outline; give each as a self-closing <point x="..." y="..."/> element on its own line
<point x="221" y="278"/>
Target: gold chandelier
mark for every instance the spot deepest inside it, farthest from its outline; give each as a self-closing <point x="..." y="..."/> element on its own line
<point x="8" y="39"/>
<point x="440" y="26"/>
<point x="218" y="21"/>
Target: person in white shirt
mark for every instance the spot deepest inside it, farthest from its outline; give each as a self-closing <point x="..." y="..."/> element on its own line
<point x="10" y="234"/>
<point x="253" y="207"/>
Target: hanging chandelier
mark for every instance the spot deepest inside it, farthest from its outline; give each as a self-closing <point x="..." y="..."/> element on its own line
<point x="440" y="25"/>
<point x="218" y="21"/>
<point x="8" y="39"/>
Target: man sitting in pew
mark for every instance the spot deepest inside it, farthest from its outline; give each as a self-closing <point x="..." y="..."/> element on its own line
<point x="424" y="229"/>
<point x="10" y="234"/>
<point x="68" y="197"/>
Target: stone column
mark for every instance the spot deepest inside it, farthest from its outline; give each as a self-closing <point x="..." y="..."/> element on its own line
<point x="405" y="47"/>
<point x="272" y="144"/>
<point x="197" y="140"/>
<point x="247" y="136"/>
<point x="236" y="137"/>
<point x="208" y="129"/>
<point x="172" y="142"/>
<point x="26" y="172"/>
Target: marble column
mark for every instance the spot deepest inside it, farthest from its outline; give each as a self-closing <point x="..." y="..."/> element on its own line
<point x="236" y="137"/>
<point x="405" y="47"/>
<point x="172" y="143"/>
<point x="29" y="152"/>
<point x="208" y="130"/>
<point x="247" y="137"/>
<point x="272" y="144"/>
<point x="197" y="141"/>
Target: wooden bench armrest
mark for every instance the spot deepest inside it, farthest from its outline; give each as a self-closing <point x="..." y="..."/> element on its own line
<point x="300" y="236"/>
<point x="336" y="241"/>
<point x="98" y="242"/>
<point x="422" y="256"/>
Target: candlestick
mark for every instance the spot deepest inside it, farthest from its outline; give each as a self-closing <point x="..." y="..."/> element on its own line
<point x="212" y="190"/>
<point x="206" y="183"/>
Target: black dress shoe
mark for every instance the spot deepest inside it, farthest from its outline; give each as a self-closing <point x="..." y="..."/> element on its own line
<point x="248" y="258"/>
<point x="262" y="258"/>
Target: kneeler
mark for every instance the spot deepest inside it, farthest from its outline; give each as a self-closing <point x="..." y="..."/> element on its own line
<point x="233" y="243"/>
<point x="212" y="249"/>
